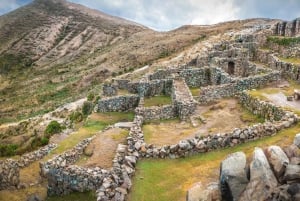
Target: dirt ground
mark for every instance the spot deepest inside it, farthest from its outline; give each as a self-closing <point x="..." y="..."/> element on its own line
<point x="219" y="117"/>
<point x="103" y="148"/>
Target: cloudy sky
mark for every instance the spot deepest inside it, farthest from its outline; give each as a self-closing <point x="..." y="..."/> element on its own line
<point x="169" y="14"/>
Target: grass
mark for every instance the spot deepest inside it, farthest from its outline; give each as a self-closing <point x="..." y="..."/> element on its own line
<point x="195" y="91"/>
<point x="158" y="101"/>
<point x="95" y="123"/>
<point x="76" y="196"/>
<point x="293" y="60"/>
<point x="259" y="93"/>
<point x="283" y="41"/>
<point x="165" y="180"/>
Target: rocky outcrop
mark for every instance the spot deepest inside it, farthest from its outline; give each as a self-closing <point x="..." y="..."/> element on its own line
<point x="198" y="192"/>
<point x="9" y="174"/>
<point x="290" y="29"/>
<point x="278" y="160"/>
<point x="297" y="140"/>
<point x="262" y="180"/>
<point x="233" y="176"/>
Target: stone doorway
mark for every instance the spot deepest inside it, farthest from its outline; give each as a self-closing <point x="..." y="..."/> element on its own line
<point x="231" y="68"/>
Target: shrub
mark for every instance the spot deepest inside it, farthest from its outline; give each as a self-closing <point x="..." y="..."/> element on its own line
<point x="90" y="96"/>
<point x="53" y="127"/>
<point x="8" y="149"/>
<point x="87" y="108"/>
<point x="97" y="99"/>
<point x="284" y="41"/>
<point x="44" y="141"/>
<point x="76" y="116"/>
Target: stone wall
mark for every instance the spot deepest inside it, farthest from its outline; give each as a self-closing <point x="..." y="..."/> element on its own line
<point x="210" y="93"/>
<point x="182" y="99"/>
<point x="109" y="89"/>
<point x="266" y="110"/>
<point x="287" y="69"/>
<point x="10" y="169"/>
<point x="199" y="77"/>
<point x="9" y="174"/>
<point x="118" y="103"/>
<point x="155" y="112"/>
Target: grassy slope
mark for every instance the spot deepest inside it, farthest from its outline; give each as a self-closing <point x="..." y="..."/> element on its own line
<point x="165" y="180"/>
<point x="158" y="101"/>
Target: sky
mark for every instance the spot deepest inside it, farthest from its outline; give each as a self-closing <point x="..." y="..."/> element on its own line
<point x="165" y="15"/>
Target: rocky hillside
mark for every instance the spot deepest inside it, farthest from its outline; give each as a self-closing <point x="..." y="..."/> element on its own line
<point x="53" y="51"/>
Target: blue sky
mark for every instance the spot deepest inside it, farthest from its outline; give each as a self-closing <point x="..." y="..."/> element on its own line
<point x="170" y="14"/>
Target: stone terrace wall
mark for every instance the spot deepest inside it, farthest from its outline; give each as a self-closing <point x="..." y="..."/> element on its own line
<point x="109" y="89"/>
<point x="210" y="93"/>
<point x="155" y="87"/>
<point x="9" y="174"/>
<point x="287" y="69"/>
<point x="118" y="103"/>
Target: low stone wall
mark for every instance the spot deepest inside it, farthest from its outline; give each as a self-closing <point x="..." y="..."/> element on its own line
<point x="182" y="99"/>
<point x="211" y="93"/>
<point x="10" y="169"/>
<point x="109" y="89"/>
<point x="155" y="87"/>
<point x="118" y="103"/>
<point x="155" y="112"/>
<point x="264" y="109"/>
<point x="9" y="174"/>
<point x="289" y="70"/>
<point x="199" y="77"/>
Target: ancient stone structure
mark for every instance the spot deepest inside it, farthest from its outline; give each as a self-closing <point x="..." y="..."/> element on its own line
<point x="118" y="103"/>
<point x="10" y="169"/>
<point x="290" y="29"/>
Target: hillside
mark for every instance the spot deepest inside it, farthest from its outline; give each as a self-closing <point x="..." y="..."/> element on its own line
<point x="53" y="51"/>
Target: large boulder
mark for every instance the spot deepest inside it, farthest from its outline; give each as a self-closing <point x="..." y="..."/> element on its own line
<point x="204" y="193"/>
<point x="292" y="173"/>
<point x="233" y="176"/>
<point x="297" y="140"/>
<point x="262" y="179"/>
<point x="277" y="159"/>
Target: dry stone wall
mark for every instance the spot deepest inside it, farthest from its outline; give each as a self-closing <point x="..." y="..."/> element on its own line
<point x="10" y="169"/>
<point x="155" y="112"/>
<point x="118" y="103"/>
<point x="211" y="93"/>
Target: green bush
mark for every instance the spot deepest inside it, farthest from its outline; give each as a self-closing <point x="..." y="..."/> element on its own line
<point x="76" y="116"/>
<point x="87" y="108"/>
<point x="97" y="99"/>
<point x="284" y="41"/>
<point x="8" y="149"/>
<point x="44" y="141"/>
<point x="52" y="128"/>
<point x="90" y="96"/>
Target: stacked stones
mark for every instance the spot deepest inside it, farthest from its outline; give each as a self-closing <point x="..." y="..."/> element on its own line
<point x="27" y="159"/>
<point x="212" y="93"/>
<point x="156" y="112"/>
<point x="273" y="174"/>
<point x="109" y="89"/>
<point x="182" y="99"/>
<point x="9" y="174"/>
<point x="118" y="103"/>
<point x="9" y="169"/>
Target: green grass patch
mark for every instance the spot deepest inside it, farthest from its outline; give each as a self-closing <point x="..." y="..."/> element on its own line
<point x="158" y="101"/>
<point x="165" y="180"/>
<point x="283" y="41"/>
<point x="76" y="196"/>
<point x="259" y="93"/>
<point x="293" y="60"/>
<point x="195" y="91"/>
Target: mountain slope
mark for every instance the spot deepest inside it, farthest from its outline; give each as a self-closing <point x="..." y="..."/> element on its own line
<point x="53" y="51"/>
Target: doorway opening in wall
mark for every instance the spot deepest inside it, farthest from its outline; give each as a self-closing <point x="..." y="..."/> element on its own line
<point x="231" y="67"/>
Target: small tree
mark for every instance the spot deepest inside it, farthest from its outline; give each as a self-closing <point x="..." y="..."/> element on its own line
<point x="87" y="108"/>
<point x="53" y="127"/>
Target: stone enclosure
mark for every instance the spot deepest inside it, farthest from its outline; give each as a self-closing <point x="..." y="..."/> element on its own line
<point x="227" y="70"/>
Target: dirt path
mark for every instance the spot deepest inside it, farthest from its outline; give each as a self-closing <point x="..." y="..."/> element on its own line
<point x="280" y="100"/>
<point x="220" y="117"/>
<point x="103" y="147"/>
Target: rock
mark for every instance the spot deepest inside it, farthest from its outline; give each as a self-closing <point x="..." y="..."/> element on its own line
<point x="292" y="173"/>
<point x="290" y="98"/>
<point x="294" y="191"/>
<point x="34" y="198"/>
<point x="291" y="151"/>
<point x="200" y="193"/>
<point x="262" y="179"/>
<point x="277" y="159"/>
<point x="233" y="177"/>
<point x="297" y="140"/>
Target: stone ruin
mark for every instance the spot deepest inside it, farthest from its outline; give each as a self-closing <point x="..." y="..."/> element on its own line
<point x="226" y="70"/>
